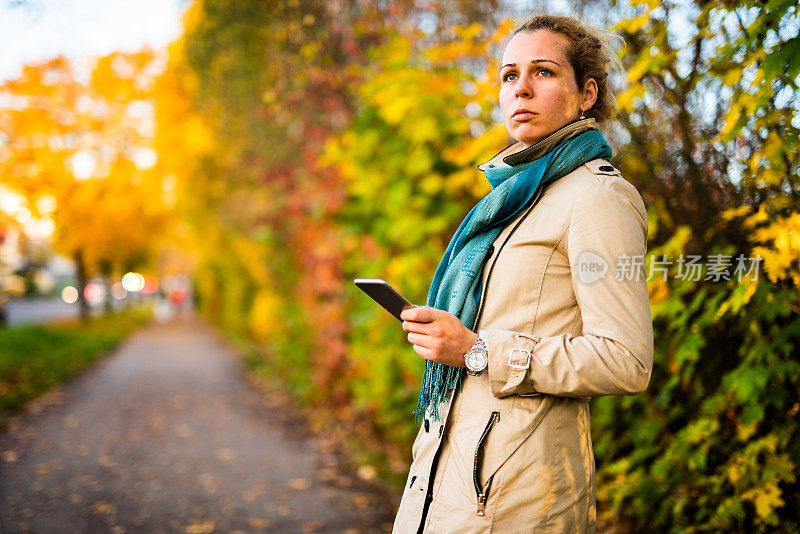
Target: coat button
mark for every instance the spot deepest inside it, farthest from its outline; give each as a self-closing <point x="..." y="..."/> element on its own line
<point x="490" y="251"/>
<point x="607" y="168"/>
<point x="427" y="426"/>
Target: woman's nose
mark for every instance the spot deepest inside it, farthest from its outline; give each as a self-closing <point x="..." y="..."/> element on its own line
<point x="523" y="89"/>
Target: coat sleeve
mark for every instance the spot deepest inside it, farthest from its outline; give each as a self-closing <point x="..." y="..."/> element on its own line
<point x="614" y="353"/>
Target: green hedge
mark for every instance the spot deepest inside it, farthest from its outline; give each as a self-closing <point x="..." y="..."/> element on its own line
<point x="713" y="444"/>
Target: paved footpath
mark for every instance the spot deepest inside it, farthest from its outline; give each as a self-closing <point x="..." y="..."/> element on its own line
<point x="166" y="435"/>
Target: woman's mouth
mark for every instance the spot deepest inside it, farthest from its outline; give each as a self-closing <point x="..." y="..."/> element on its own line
<point x="523" y="115"/>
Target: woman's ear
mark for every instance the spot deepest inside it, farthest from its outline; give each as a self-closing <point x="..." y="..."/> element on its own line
<point x="589" y="94"/>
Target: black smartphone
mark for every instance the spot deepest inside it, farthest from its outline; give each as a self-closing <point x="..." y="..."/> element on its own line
<point x="384" y="294"/>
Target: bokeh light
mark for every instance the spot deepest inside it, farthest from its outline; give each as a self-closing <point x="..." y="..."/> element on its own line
<point x="150" y="285"/>
<point x="133" y="282"/>
<point x="93" y="292"/>
<point x="117" y="291"/>
<point x="69" y="295"/>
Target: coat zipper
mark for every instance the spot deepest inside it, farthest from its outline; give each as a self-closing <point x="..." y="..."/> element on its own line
<point x="483" y="493"/>
<point x="491" y="267"/>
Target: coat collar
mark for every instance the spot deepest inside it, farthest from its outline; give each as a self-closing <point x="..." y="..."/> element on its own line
<point x="516" y="153"/>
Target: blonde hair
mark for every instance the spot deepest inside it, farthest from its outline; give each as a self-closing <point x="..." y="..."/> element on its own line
<point x="590" y="55"/>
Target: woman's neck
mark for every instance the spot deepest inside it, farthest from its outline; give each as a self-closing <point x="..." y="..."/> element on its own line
<point x="517" y="153"/>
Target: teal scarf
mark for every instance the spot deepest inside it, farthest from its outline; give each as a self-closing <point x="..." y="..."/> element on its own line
<point x="456" y="286"/>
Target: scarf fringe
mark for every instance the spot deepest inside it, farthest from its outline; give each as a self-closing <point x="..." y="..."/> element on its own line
<point x="437" y="383"/>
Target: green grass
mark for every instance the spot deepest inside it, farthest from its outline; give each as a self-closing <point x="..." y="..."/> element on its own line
<point x="35" y="358"/>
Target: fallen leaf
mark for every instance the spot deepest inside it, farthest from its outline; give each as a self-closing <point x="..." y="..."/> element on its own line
<point x="257" y="522"/>
<point x="367" y="472"/>
<point x="361" y="501"/>
<point x="226" y="455"/>
<point x="46" y="467"/>
<point x="299" y="483"/>
<point x="183" y="430"/>
<point x="103" y="508"/>
<point x="199" y="526"/>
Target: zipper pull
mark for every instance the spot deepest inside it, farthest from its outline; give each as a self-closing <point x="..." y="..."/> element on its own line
<point x="481" y="504"/>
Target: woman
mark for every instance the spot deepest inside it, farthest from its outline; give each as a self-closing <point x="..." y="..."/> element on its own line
<point x="542" y="297"/>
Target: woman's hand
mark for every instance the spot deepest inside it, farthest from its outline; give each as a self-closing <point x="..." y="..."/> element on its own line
<point x="437" y="335"/>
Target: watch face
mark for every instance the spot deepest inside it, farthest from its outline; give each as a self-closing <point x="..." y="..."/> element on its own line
<point x="475" y="360"/>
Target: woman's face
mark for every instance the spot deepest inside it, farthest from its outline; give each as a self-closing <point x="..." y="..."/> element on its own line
<point x="538" y="92"/>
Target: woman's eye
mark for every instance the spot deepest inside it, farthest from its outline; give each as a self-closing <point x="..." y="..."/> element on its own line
<point x="511" y="76"/>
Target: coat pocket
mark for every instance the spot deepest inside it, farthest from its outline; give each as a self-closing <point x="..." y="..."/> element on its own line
<point x="482" y="491"/>
<point x="518" y="425"/>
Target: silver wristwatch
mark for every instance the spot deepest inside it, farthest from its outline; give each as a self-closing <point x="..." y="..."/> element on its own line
<point x="477" y="357"/>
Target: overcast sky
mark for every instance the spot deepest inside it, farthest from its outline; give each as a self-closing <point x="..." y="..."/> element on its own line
<point x="35" y="30"/>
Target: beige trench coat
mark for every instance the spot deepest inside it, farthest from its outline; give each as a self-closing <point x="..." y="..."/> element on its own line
<point x="566" y="311"/>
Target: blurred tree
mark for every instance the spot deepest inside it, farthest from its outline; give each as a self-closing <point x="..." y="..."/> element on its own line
<point x="82" y="150"/>
<point x="268" y="85"/>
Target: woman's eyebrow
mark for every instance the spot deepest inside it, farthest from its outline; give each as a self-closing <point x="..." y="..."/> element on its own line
<point x="532" y="61"/>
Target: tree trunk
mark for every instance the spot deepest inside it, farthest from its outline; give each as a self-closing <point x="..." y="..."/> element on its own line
<point x="80" y="273"/>
<point x="108" y="305"/>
